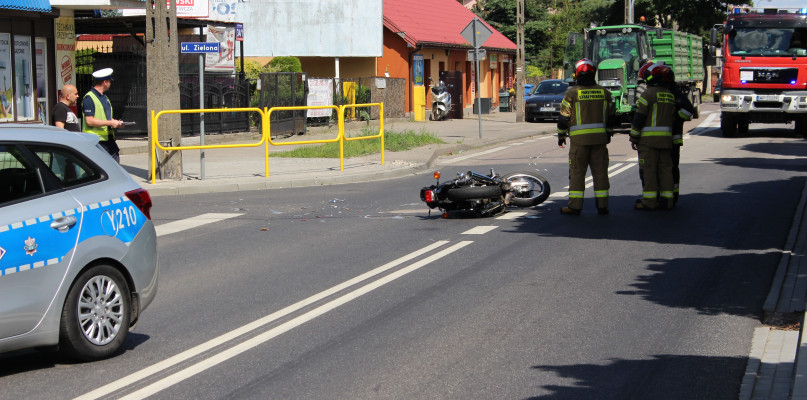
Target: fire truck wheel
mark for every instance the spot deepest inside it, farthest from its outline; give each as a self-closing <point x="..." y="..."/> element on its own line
<point x="728" y="125"/>
<point x="801" y="128"/>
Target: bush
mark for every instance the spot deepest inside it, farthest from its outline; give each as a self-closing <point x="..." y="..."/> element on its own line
<point x="286" y="64"/>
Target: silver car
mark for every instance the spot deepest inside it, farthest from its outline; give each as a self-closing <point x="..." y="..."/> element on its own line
<point x="78" y="250"/>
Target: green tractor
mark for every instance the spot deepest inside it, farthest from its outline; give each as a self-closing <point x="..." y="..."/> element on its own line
<point x="619" y="51"/>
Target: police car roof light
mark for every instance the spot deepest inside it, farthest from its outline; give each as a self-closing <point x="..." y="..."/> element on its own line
<point x="140" y="198"/>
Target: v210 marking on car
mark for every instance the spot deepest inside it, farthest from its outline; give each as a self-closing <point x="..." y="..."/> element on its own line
<point x="122" y="221"/>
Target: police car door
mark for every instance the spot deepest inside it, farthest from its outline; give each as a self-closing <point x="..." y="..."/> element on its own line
<point x="39" y="227"/>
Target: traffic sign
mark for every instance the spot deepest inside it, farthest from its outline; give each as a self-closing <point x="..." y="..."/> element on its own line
<point x="483" y="54"/>
<point x="476" y="32"/>
<point x="239" y="32"/>
<point x="199" y="47"/>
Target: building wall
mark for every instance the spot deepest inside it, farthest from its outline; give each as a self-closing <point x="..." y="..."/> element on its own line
<point x="349" y="67"/>
<point x="395" y="62"/>
<point x="312" y="28"/>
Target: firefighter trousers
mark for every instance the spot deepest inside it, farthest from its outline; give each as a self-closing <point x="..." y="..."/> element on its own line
<point x="656" y="173"/>
<point x="581" y="157"/>
<point x="676" y="172"/>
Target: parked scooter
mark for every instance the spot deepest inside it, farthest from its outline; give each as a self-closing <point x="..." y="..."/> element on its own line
<point x="441" y="101"/>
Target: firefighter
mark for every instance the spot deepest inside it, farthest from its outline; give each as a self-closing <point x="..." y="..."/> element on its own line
<point x="684" y="112"/>
<point x="587" y="117"/>
<point x="651" y="135"/>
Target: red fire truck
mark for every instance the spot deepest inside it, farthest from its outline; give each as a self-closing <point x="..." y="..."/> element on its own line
<point x="764" y="68"/>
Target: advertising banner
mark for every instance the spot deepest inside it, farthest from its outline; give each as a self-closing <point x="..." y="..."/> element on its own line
<point x="320" y="93"/>
<point x="6" y="85"/>
<point x="65" y="32"/>
<point x="418" y="65"/>
<point x="223" y="10"/>
<point x="23" y="72"/>
<point x="224" y="60"/>
<point x="185" y="8"/>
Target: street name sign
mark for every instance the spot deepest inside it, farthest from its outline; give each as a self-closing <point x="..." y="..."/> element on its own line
<point x="483" y="54"/>
<point x="199" y="47"/>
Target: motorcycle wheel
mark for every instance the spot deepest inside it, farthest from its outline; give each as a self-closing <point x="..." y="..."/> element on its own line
<point x="474" y="192"/>
<point x="529" y="189"/>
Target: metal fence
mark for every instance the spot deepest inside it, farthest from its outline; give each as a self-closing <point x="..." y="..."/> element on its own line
<point x="128" y="93"/>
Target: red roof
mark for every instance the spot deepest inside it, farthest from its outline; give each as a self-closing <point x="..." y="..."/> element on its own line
<point x="436" y="22"/>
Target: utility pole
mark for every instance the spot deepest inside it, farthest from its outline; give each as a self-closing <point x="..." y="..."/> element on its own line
<point x="520" y="61"/>
<point x="629" y="11"/>
<point x="162" y="72"/>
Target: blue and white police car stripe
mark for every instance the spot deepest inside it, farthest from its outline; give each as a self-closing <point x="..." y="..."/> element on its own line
<point x="24" y="245"/>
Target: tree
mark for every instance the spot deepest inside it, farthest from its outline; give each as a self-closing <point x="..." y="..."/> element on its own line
<point x="501" y="15"/>
<point x="692" y="16"/>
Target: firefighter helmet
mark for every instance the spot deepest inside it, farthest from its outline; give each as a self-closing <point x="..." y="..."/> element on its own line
<point x="583" y="67"/>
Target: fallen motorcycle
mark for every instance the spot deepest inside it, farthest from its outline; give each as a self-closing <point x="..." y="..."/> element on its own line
<point x="486" y="195"/>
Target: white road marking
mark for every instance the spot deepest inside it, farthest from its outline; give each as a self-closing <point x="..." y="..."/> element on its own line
<point x="285" y="327"/>
<point x="707" y="124"/>
<point x="480" y="230"/>
<point x="512" y="215"/>
<point x="590" y="180"/>
<point x="232" y="335"/>
<point x="634" y="159"/>
<point x="481" y="153"/>
<point x="188" y="223"/>
<point x="709" y="121"/>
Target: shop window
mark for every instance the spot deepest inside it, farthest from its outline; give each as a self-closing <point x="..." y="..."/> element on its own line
<point x="19" y="90"/>
<point x="6" y="80"/>
<point x="23" y="76"/>
<point x="40" y="64"/>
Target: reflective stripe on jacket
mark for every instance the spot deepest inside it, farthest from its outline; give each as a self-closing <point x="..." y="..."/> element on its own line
<point x="101" y="131"/>
<point x="587" y="108"/>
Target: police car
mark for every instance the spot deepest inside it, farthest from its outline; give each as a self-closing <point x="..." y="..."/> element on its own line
<point x="78" y="250"/>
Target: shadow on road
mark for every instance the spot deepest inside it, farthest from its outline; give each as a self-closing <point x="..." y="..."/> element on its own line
<point x="661" y="377"/>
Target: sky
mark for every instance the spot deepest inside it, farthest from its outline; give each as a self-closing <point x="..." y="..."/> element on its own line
<point x="780" y="3"/>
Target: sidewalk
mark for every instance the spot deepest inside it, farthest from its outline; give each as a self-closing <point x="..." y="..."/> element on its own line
<point x="777" y="363"/>
<point x="238" y="169"/>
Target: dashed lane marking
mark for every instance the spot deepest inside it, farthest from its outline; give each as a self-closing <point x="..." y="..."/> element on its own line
<point x="195" y="222"/>
<point x="512" y="215"/>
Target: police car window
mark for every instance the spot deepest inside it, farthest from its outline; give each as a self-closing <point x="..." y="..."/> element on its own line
<point x="18" y="178"/>
<point x="70" y="168"/>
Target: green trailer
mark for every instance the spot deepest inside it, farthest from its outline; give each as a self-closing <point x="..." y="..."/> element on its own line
<point x="619" y="51"/>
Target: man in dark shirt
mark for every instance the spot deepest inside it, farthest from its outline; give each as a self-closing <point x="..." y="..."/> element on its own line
<point x="63" y="116"/>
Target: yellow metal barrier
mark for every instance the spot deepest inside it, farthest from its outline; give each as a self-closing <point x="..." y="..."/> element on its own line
<point x="268" y="130"/>
<point x="266" y="134"/>
<point x="380" y="134"/>
<point x="155" y="141"/>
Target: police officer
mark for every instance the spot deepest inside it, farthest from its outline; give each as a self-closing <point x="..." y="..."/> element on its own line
<point x="651" y="135"/>
<point x="684" y="112"/>
<point x="98" y="113"/>
<point x="586" y="116"/>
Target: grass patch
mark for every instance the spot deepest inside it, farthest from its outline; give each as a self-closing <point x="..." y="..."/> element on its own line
<point x="393" y="141"/>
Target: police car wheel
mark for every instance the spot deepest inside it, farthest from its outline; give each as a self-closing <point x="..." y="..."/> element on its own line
<point x="96" y="314"/>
